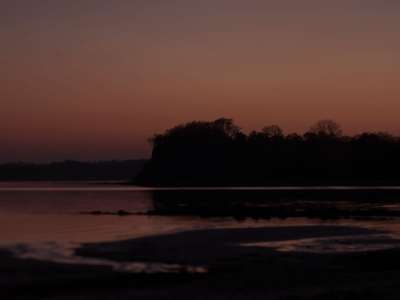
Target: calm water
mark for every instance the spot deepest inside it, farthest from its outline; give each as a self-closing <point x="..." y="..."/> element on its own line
<point x="43" y="218"/>
<point x="50" y="211"/>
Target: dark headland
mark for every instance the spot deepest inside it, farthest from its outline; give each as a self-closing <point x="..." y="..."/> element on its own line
<point x="218" y="154"/>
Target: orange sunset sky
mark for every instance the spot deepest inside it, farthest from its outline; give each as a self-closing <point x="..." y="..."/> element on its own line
<point x="92" y="80"/>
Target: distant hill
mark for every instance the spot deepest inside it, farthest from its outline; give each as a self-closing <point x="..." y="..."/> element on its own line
<point x="71" y="170"/>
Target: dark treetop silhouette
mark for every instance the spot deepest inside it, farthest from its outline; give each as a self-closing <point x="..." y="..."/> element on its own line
<point x="219" y="154"/>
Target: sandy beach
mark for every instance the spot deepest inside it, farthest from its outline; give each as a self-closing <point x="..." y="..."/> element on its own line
<point x="237" y="267"/>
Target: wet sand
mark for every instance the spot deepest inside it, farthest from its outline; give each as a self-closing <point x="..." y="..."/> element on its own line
<point x="211" y="247"/>
<point x="234" y="271"/>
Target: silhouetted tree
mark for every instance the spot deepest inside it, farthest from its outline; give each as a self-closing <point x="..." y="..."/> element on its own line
<point x="257" y="138"/>
<point x="274" y="132"/>
<point x="240" y="137"/>
<point x="227" y="126"/>
<point x="156" y="140"/>
<point x="310" y="136"/>
<point x="293" y="137"/>
<point x="327" y="129"/>
<point x="219" y="131"/>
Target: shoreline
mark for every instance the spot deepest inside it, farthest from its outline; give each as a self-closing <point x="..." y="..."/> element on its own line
<point x="235" y="271"/>
<point x="209" y="246"/>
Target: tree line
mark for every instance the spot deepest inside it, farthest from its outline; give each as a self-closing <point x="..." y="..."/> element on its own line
<point x="219" y="152"/>
<point x="71" y="170"/>
<point x="225" y="130"/>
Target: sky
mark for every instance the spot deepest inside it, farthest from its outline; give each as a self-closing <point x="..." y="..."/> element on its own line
<point x="92" y="80"/>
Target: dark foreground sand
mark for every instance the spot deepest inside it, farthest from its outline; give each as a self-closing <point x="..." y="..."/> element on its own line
<point x="235" y="271"/>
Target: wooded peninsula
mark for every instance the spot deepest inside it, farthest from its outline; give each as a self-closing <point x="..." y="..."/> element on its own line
<point x="218" y="154"/>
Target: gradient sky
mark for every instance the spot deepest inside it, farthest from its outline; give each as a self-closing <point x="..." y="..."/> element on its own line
<point x="92" y="80"/>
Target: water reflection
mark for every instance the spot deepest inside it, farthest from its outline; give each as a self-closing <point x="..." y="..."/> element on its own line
<point x="73" y="201"/>
<point x="44" y="221"/>
<point x="284" y="203"/>
<point x="355" y="243"/>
